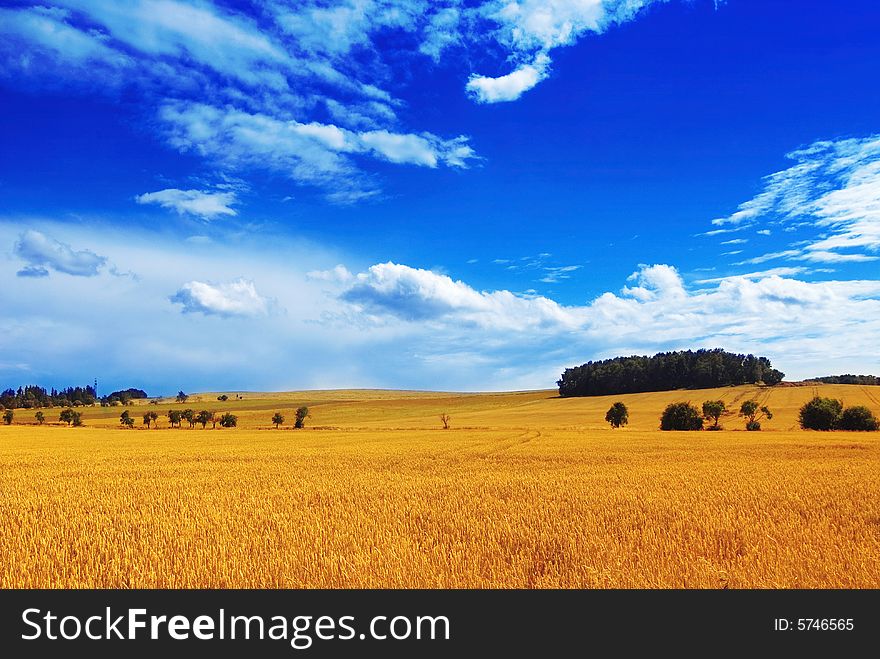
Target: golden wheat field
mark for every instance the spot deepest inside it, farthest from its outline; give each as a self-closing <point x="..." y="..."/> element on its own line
<point x="524" y="490"/>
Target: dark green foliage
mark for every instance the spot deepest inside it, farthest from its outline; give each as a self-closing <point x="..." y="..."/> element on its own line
<point x="617" y="415"/>
<point x="33" y="396"/>
<point x="848" y="378"/>
<point x="150" y="417"/>
<point x="753" y="412"/>
<point x="228" y="420"/>
<point x="174" y="417"/>
<point x="301" y="414"/>
<point x="123" y="396"/>
<point x="223" y="397"/>
<point x="66" y="416"/>
<point x="820" y="414"/>
<point x="681" y="416"/>
<point x="713" y="409"/>
<point x="7" y="417"/>
<point x="278" y="419"/>
<point x="39" y="417"/>
<point x="126" y="419"/>
<point x="189" y="416"/>
<point x="182" y="397"/>
<point x="76" y="419"/>
<point x="204" y="417"/>
<point x="858" y="417"/>
<point x="701" y="369"/>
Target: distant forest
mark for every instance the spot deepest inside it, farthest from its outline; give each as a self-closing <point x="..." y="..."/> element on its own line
<point x="848" y="379"/>
<point x="33" y="396"/>
<point x="701" y="369"/>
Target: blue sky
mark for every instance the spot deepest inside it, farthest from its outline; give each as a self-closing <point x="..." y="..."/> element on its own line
<point x="436" y="195"/>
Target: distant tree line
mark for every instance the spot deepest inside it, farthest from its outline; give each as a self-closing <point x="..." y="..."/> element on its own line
<point x="33" y="397"/>
<point x="687" y="369"/>
<point x="848" y="379"/>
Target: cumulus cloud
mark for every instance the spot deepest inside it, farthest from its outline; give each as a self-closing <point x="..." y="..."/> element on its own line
<point x="205" y="205"/>
<point x="509" y="87"/>
<point x="767" y="312"/>
<point x="44" y="253"/>
<point x="235" y="298"/>
<point x="833" y="189"/>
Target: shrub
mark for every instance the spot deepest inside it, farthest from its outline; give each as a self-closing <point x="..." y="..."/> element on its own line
<point x="228" y="420"/>
<point x="681" y="416"/>
<point x="617" y="415"/>
<point x="301" y="414"/>
<point x="858" y="417"/>
<point x="223" y="397"/>
<point x="205" y="417"/>
<point x="713" y="409"/>
<point x="39" y="417"/>
<point x="754" y="412"/>
<point x="66" y="416"/>
<point x="820" y="414"/>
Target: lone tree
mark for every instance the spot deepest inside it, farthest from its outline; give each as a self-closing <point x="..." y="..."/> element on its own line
<point x="754" y="412"/>
<point x="858" y="417"/>
<point x="820" y="414"/>
<point x="190" y="417"/>
<point x="66" y="416"/>
<point x="713" y="409"/>
<point x="278" y="419"/>
<point x="39" y="417"/>
<point x="174" y="417"/>
<point x="204" y="417"/>
<point x="125" y="419"/>
<point x="445" y="419"/>
<point x="7" y="417"/>
<point x="617" y="415"/>
<point x="681" y="416"/>
<point x="182" y="397"/>
<point x="301" y="414"/>
<point x="228" y="420"/>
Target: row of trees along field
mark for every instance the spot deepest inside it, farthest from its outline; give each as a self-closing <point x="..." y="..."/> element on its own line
<point x="34" y="397"/>
<point x="817" y="414"/>
<point x="687" y="369"/>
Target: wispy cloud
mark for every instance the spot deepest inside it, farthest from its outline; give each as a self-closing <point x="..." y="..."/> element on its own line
<point x="834" y="189"/>
<point x="511" y="86"/>
<point x="201" y="204"/>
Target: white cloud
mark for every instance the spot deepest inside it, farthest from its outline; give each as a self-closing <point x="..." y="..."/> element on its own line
<point x="206" y="205"/>
<point x="509" y="87"/>
<point x="44" y="253"/>
<point x="530" y="29"/>
<point x="338" y="274"/>
<point x="314" y="153"/>
<point x="801" y="325"/>
<point x="235" y="298"/>
<point x="735" y="241"/>
<point x="834" y="189"/>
